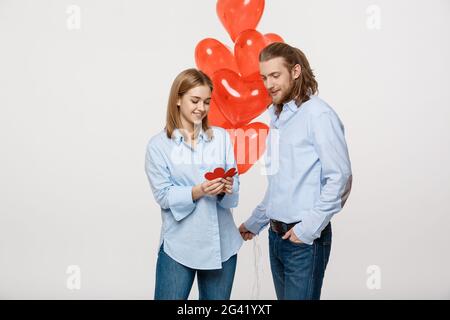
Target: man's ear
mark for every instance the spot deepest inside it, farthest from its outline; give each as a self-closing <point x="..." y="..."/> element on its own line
<point x="296" y="71"/>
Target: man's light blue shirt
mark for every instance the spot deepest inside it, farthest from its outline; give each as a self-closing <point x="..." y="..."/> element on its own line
<point x="199" y="234"/>
<point x="308" y="166"/>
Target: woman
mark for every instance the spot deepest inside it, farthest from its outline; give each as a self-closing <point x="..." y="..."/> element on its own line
<point x="198" y="236"/>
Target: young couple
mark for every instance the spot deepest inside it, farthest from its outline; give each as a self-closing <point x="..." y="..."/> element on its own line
<point x="311" y="184"/>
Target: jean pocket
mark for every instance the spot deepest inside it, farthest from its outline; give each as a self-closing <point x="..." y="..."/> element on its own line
<point x="298" y="244"/>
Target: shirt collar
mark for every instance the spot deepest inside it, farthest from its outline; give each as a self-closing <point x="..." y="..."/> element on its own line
<point x="204" y="136"/>
<point x="291" y="106"/>
<point x="178" y="136"/>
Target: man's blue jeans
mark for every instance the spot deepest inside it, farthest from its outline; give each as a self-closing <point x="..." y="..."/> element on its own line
<point x="174" y="280"/>
<point x="298" y="269"/>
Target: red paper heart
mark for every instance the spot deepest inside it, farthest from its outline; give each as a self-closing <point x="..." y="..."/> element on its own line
<point x="217" y="173"/>
<point x="230" y="173"/>
<point x="238" y="15"/>
<point x="211" y="55"/>
<point x="220" y="173"/>
<point x="247" y="48"/>
<point x="249" y="144"/>
<point x="240" y="100"/>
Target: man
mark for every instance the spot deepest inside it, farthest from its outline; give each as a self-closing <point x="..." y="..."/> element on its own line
<point x="312" y="180"/>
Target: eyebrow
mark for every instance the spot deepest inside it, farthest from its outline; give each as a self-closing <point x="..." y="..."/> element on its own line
<point x="271" y="74"/>
<point x="200" y="97"/>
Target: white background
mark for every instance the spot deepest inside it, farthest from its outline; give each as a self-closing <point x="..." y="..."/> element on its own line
<point x="77" y="108"/>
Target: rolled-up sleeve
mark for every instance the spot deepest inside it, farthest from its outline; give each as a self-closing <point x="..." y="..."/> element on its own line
<point x="169" y="196"/>
<point x="327" y="135"/>
<point x="230" y="200"/>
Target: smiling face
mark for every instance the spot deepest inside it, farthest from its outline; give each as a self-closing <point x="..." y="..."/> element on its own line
<point x="277" y="79"/>
<point x="194" y="106"/>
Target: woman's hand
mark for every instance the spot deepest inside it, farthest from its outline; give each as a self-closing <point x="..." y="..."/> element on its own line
<point x="208" y="187"/>
<point x="228" y="188"/>
<point x="213" y="187"/>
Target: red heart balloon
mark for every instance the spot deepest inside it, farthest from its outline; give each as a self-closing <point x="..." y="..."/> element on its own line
<point x="249" y="144"/>
<point x="247" y="48"/>
<point x="217" y="173"/>
<point x="239" y="15"/>
<point x="211" y="55"/>
<point x="273" y="37"/>
<point x="240" y="99"/>
<point x="216" y="118"/>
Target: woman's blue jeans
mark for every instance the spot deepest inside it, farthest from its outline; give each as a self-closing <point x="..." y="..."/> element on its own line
<point x="174" y="280"/>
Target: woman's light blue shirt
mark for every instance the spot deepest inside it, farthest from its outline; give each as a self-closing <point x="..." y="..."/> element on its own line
<point x="199" y="234"/>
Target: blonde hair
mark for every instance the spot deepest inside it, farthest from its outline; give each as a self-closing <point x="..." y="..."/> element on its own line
<point x="184" y="82"/>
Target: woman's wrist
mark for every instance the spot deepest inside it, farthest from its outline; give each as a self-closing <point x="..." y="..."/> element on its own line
<point x="197" y="192"/>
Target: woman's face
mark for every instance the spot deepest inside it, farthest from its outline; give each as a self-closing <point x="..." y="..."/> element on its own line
<point x="194" y="105"/>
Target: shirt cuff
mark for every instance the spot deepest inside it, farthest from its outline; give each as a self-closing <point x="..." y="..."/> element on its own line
<point x="254" y="226"/>
<point x="301" y="233"/>
<point x="180" y="202"/>
<point x="228" y="201"/>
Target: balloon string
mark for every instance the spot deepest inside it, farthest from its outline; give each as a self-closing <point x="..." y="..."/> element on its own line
<point x="257" y="267"/>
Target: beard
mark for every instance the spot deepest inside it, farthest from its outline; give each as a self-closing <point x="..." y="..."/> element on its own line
<point x="285" y="95"/>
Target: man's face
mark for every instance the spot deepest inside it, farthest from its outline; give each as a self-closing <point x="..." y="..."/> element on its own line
<point x="277" y="79"/>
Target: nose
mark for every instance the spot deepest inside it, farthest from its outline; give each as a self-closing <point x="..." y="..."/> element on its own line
<point x="201" y="106"/>
<point x="269" y="84"/>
